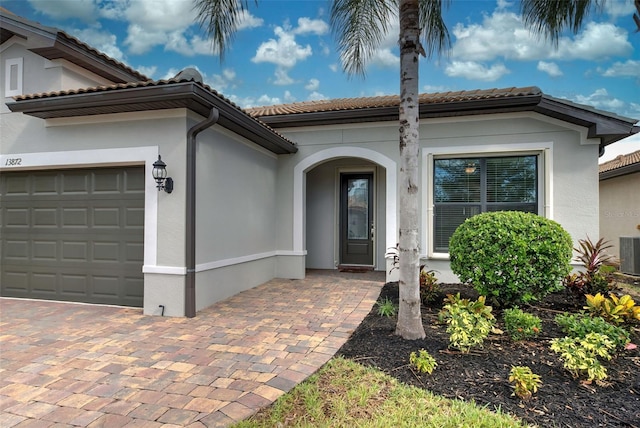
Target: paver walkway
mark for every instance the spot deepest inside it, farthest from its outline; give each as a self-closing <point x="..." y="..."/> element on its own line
<point x="66" y="364"/>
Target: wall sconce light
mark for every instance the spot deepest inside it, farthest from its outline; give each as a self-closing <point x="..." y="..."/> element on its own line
<point x="470" y="168"/>
<point x="160" y="175"/>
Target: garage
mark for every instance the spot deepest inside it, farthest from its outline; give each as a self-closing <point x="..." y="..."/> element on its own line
<point x="73" y="235"/>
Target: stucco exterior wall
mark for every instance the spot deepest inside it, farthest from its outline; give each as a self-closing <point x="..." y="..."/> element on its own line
<point x="236" y="215"/>
<point x="40" y="75"/>
<point x="619" y="209"/>
<point x="568" y="180"/>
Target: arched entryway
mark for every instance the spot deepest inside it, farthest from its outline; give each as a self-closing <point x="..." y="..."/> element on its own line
<point x="321" y="212"/>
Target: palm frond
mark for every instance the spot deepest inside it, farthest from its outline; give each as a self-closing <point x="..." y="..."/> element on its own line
<point x="551" y="17"/>
<point x="359" y="26"/>
<point x="219" y="19"/>
<point x="434" y="30"/>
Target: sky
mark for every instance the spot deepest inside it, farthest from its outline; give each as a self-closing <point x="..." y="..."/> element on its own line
<point x="285" y="51"/>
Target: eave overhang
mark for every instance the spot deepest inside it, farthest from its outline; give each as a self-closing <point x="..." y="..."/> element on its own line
<point x="149" y="97"/>
<point x="607" y="127"/>
<point x="52" y="44"/>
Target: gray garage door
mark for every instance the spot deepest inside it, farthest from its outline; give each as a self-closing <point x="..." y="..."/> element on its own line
<point x="73" y="235"/>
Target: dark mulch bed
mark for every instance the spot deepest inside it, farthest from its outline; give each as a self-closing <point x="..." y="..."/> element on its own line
<point x="482" y="374"/>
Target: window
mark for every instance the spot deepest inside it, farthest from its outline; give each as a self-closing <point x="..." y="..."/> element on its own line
<point x="13" y="77"/>
<point x="464" y="187"/>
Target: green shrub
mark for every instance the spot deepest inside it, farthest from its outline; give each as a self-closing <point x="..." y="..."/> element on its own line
<point x="423" y="361"/>
<point x="525" y="382"/>
<point x="386" y="308"/>
<point x="521" y="325"/>
<point x="511" y="257"/>
<point x="579" y="325"/>
<point x="469" y="323"/>
<point x="580" y="355"/>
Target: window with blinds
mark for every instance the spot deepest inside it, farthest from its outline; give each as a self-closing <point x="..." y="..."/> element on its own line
<point x="464" y="187"/>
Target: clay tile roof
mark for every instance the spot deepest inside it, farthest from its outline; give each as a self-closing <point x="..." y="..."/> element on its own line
<point x="342" y="104"/>
<point x="620" y="162"/>
<point x="102" y="88"/>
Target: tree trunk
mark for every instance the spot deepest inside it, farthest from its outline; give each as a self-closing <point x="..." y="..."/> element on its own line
<point x="409" y="318"/>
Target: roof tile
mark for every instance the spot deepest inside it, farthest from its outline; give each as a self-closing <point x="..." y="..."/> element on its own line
<point x="620" y="162"/>
<point x="341" y="104"/>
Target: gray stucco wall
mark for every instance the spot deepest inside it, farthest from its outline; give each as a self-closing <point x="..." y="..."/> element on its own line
<point x="568" y="182"/>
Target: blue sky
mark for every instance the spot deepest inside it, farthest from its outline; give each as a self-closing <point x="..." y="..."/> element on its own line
<point x="285" y="51"/>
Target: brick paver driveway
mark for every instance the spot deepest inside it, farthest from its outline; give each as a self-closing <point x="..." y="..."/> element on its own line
<point x="85" y="365"/>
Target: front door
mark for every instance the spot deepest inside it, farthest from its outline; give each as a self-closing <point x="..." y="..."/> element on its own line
<point x="356" y="219"/>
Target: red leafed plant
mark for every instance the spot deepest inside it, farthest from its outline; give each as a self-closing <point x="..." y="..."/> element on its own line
<point x="598" y="268"/>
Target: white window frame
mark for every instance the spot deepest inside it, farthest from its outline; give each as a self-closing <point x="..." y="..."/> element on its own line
<point x="543" y="150"/>
<point x="8" y="64"/>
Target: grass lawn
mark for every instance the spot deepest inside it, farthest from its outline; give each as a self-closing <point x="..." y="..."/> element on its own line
<point x="346" y="394"/>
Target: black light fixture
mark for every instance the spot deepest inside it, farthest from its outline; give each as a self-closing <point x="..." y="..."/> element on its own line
<point x="160" y="175"/>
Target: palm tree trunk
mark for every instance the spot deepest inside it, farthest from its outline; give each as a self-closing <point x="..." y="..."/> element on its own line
<point x="409" y="324"/>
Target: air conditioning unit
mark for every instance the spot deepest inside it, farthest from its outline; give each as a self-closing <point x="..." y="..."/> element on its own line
<point x="630" y="255"/>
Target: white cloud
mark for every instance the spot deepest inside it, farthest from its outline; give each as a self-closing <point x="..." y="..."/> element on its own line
<point x="333" y="67"/>
<point x="86" y="10"/>
<point x="221" y="82"/>
<point x="551" y="68"/>
<point x="284" y="52"/>
<point x="317" y="27"/>
<point x="282" y="78"/>
<point x="288" y="97"/>
<point x="385" y="58"/>
<point x="103" y="41"/>
<point x="316" y="96"/>
<point x="630" y="68"/>
<point x="313" y="85"/>
<point x="433" y="89"/>
<point x="598" y="41"/>
<point x="600" y="99"/>
<point x="246" y="20"/>
<point x="503" y="35"/>
<point x="475" y="71"/>
<point x="618" y="8"/>
<point x="161" y="15"/>
<point x="148" y="71"/>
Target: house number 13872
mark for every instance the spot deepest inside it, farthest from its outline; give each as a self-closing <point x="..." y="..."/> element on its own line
<point x="13" y="162"/>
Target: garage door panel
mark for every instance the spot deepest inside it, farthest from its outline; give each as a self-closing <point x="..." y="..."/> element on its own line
<point x="15" y="185"/>
<point x="44" y="184"/>
<point x="134" y="218"/>
<point x="106" y="217"/>
<point x="16" y="250"/>
<point x="75" y="182"/>
<point x="107" y="182"/>
<point x="44" y="250"/>
<point x="16" y="217"/>
<point x="44" y="283"/>
<point x="75" y="217"/>
<point x="73" y="235"/>
<point x="45" y="217"/>
<point x="15" y="282"/>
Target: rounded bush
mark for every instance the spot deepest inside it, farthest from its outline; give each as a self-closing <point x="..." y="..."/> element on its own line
<point x="511" y="257"/>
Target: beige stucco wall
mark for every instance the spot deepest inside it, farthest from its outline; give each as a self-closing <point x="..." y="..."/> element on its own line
<point x="619" y="209"/>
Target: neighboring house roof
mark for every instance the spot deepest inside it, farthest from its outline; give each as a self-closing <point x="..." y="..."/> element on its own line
<point x="604" y="125"/>
<point x="52" y="43"/>
<point x="621" y="165"/>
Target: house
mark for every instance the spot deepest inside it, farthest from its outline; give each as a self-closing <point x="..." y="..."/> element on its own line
<point x="620" y="202"/>
<point x="257" y="194"/>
